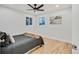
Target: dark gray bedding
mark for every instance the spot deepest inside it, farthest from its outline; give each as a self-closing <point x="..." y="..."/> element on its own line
<point x="22" y="44"/>
<point x="0" y="50"/>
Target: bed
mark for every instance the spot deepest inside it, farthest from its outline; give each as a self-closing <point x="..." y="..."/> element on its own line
<point x="23" y="43"/>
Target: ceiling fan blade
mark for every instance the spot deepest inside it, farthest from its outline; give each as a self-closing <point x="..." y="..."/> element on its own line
<point x="40" y="6"/>
<point x="30" y="9"/>
<point x="40" y="9"/>
<point x="30" y="6"/>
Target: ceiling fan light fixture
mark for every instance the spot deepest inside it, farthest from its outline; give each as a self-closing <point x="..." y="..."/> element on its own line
<point x="35" y="12"/>
<point x="36" y="8"/>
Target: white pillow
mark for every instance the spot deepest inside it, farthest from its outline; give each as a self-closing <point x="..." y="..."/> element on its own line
<point x="11" y="38"/>
<point x="2" y="40"/>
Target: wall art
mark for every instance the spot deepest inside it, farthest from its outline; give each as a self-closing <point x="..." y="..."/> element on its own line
<point x="28" y="20"/>
<point x="41" y="20"/>
<point x="55" y="20"/>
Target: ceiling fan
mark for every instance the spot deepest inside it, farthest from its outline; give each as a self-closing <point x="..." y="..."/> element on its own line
<point x="35" y="7"/>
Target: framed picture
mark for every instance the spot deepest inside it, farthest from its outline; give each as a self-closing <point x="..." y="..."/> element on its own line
<point x="56" y="20"/>
<point x="28" y="21"/>
<point x="41" y="20"/>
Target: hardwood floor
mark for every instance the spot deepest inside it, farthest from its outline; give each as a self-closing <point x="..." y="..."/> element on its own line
<point x="53" y="47"/>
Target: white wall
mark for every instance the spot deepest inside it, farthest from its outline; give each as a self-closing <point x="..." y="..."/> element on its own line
<point x="11" y="21"/>
<point x="75" y="26"/>
<point x="62" y="31"/>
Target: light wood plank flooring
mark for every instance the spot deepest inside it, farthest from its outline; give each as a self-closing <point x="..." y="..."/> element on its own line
<point x="53" y="47"/>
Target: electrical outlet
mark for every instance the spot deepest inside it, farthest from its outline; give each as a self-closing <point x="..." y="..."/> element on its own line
<point x="74" y="47"/>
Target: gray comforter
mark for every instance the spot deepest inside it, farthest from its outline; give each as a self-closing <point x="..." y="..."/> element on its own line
<point x="22" y="44"/>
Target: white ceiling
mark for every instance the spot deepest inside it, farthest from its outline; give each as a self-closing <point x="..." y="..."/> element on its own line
<point x="47" y="7"/>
